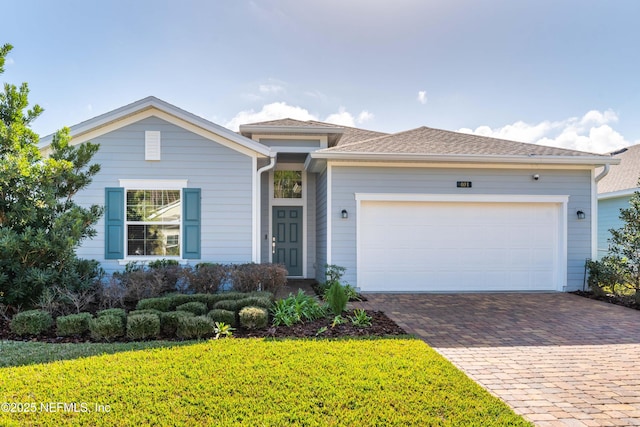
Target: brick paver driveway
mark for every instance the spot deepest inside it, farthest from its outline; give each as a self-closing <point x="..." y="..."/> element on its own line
<point x="557" y="359"/>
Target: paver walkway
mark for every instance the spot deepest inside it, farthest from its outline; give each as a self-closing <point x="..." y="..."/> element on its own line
<point x="557" y="359"/>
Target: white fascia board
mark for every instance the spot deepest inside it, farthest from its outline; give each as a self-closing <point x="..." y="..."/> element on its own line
<point x="153" y="103"/>
<point x="310" y="130"/>
<point x="586" y="160"/>
<point x="619" y="193"/>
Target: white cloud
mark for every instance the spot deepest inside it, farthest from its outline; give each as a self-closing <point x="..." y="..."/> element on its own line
<point x="9" y="61"/>
<point x="270" y="88"/>
<point x="281" y="110"/>
<point x="364" y="116"/>
<point x="273" y="111"/>
<point x="342" y="117"/>
<point x="422" y="97"/>
<point x="591" y="132"/>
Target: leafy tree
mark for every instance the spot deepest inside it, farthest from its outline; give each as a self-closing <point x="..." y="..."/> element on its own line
<point x="624" y="248"/>
<point x="40" y="225"/>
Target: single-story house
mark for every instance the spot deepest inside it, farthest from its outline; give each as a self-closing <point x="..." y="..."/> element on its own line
<point x="614" y="192"/>
<point x="420" y="210"/>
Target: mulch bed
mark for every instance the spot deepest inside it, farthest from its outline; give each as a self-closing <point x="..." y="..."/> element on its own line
<point x="381" y="326"/>
<point x="626" y="301"/>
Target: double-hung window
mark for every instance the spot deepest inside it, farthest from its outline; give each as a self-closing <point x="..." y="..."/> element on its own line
<point x="146" y="219"/>
<point x="153" y="222"/>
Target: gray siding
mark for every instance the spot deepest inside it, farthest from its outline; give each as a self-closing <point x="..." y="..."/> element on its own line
<point x="294" y="143"/>
<point x="224" y="175"/>
<point x="608" y="218"/>
<point x="265" y="245"/>
<point x="311" y="225"/>
<point x="321" y="225"/>
<point x="348" y="180"/>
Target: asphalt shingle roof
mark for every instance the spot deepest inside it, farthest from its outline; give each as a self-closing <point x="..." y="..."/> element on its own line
<point x="625" y="175"/>
<point x="424" y="140"/>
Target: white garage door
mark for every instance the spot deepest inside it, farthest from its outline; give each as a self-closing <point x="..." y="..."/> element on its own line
<point x="458" y="246"/>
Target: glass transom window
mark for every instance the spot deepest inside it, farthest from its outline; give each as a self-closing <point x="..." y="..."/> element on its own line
<point x="287" y="184"/>
<point x="153" y="222"/>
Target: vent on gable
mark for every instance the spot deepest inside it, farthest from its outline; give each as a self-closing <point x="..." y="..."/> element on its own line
<point x="152" y="145"/>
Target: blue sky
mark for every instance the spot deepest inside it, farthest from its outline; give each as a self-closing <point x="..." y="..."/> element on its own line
<point x="559" y="72"/>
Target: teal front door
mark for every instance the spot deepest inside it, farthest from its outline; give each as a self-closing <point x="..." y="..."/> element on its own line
<point x="286" y="245"/>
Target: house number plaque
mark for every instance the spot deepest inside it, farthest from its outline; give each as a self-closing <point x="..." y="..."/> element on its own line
<point x="463" y="184"/>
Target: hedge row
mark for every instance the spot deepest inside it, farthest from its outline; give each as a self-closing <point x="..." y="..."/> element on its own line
<point x="182" y="316"/>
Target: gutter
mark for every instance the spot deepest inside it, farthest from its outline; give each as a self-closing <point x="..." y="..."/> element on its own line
<point x="531" y="159"/>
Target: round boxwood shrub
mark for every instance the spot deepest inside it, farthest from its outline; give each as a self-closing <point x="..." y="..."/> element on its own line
<point x="195" y="327"/>
<point x="226" y="316"/>
<point x="254" y="301"/>
<point x="229" y="305"/>
<point x="31" y="322"/>
<point x="143" y="326"/>
<point x="254" y="317"/>
<point x="169" y="321"/>
<point x="160" y="304"/>
<point x="73" y="324"/>
<point x="145" y="311"/>
<point x="195" y="307"/>
<point x="106" y="327"/>
<point x="117" y="312"/>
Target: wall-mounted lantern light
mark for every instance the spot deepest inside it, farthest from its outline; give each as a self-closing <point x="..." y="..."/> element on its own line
<point x="581" y="215"/>
<point x="344" y="214"/>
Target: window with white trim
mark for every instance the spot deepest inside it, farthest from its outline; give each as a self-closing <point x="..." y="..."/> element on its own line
<point x="153" y="222"/>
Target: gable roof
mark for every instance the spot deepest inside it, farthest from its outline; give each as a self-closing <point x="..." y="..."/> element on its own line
<point x="338" y="134"/>
<point x="152" y="106"/>
<point x="624" y="176"/>
<point x="426" y="143"/>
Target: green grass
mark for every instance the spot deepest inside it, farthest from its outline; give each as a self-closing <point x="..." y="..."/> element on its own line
<point x="18" y="353"/>
<point x="228" y="382"/>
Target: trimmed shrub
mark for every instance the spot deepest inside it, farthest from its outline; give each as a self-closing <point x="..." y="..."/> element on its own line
<point x="195" y="307"/>
<point x="107" y="327"/>
<point x="169" y="321"/>
<point x="179" y="299"/>
<point x="160" y="304"/>
<point x="145" y="311"/>
<point x="195" y="327"/>
<point x="206" y="277"/>
<point x="73" y="324"/>
<point x="118" y="312"/>
<point x="143" y="326"/>
<point x="254" y="317"/>
<point x="31" y="322"/>
<point x="226" y="316"/>
<point x="254" y="301"/>
<point x="256" y="277"/>
<point x="230" y="305"/>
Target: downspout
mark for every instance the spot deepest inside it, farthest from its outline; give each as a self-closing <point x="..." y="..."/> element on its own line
<point x="259" y="172"/>
<point x="602" y="174"/>
<point x="594" y="215"/>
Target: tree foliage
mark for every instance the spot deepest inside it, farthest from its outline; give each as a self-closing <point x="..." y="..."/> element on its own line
<point x="623" y="260"/>
<point x="40" y="224"/>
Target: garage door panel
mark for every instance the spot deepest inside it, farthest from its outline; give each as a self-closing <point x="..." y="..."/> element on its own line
<point x="440" y="246"/>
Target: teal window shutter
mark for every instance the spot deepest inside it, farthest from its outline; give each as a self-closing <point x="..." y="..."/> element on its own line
<point x="114" y="223"/>
<point x="191" y="223"/>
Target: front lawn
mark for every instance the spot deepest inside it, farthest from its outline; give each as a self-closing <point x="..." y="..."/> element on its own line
<point x="253" y="382"/>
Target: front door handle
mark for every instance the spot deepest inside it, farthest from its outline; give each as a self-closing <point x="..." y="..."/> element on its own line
<point x="273" y="245"/>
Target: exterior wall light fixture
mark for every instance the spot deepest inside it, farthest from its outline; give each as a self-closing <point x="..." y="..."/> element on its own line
<point x="581" y="215"/>
<point x="344" y="214"/>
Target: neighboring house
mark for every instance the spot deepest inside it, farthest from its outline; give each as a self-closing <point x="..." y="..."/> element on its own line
<point x="614" y="192"/>
<point x="421" y="210"/>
